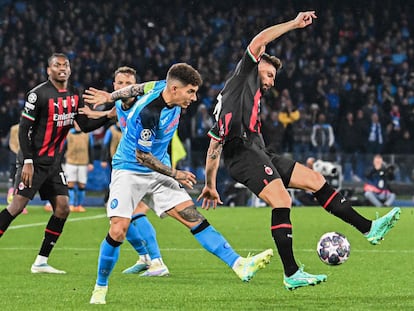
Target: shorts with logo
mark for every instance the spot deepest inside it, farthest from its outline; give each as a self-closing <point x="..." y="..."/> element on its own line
<point x="49" y="180"/>
<point x="254" y="166"/>
<point x="76" y="173"/>
<point x="128" y="188"/>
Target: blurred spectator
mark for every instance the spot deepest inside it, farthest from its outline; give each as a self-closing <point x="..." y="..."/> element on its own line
<point x="394" y="129"/>
<point x="302" y="136"/>
<point x="201" y="124"/>
<point x="79" y="161"/>
<point x="322" y="137"/>
<point x="288" y="115"/>
<point x="349" y="142"/>
<point x="404" y="147"/>
<point x="376" y="138"/>
<point x="273" y="130"/>
<point x="377" y="189"/>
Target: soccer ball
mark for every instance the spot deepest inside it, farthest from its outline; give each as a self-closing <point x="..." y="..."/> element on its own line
<point x="333" y="248"/>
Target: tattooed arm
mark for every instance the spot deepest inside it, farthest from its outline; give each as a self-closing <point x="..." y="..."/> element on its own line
<point x="209" y="193"/>
<point x="97" y="97"/>
<point x="185" y="178"/>
<point x="213" y="162"/>
<point x="132" y="90"/>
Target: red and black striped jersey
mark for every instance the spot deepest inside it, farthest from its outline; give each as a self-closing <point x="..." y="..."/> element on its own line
<point x="47" y="117"/>
<point x="237" y="110"/>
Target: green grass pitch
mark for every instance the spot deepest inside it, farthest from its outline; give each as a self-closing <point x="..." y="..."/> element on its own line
<point x="374" y="278"/>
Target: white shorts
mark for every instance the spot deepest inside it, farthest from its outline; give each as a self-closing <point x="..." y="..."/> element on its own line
<point x="76" y="173"/>
<point x="128" y="188"/>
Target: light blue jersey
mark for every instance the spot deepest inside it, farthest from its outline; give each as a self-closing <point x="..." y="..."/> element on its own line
<point x="152" y="86"/>
<point x="149" y="127"/>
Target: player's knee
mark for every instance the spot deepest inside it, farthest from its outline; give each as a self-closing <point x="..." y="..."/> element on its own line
<point x="62" y="210"/>
<point x="119" y="228"/>
<point x="314" y="180"/>
<point x="276" y="198"/>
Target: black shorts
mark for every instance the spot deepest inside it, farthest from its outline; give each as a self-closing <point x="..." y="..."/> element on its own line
<point x="49" y="180"/>
<point x="254" y="166"/>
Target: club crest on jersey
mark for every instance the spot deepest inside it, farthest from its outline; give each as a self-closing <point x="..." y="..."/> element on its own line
<point x="32" y="98"/>
<point x="268" y="170"/>
<point x="113" y="204"/>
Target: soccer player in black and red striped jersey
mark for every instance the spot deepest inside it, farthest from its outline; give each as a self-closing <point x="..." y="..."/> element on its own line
<point x="238" y="135"/>
<point x="49" y="112"/>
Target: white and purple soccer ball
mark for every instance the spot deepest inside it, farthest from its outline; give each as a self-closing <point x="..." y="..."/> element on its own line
<point x="333" y="248"/>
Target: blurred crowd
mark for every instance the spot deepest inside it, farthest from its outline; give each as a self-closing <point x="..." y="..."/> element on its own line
<point x="346" y="87"/>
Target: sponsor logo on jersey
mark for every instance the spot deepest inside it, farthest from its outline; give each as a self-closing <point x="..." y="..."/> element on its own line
<point x="122" y="122"/>
<point x="172" y="124"/>
<point x="64" y="119"/>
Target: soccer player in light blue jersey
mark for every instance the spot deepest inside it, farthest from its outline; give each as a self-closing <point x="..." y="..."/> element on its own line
<point x="141" y="234"/>
<point x="142" y="167"/>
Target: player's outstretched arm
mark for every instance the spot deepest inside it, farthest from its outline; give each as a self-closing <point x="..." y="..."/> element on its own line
<point x="96" y="114"/>
<point x="97" y="97"/>
<point x="187" y="179"/>
<point x="209" y="193"/>
<point x="258" y="44"/>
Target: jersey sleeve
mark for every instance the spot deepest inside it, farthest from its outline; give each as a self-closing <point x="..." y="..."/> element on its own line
<point x="214" y="133"/>
<point x="146" y="130"/>
<point x="246" y="64"/>
<point x="30" y="113"/>
<point x="154" y="86"/>
<point x="86" y="124"/>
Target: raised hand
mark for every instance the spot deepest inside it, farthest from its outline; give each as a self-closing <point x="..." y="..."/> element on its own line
<point x="96" y="97"/>
<point x="304" y="19"/>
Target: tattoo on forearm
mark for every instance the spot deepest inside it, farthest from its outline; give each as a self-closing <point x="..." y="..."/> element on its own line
<point x="214" y="153"/>
<point x="153" y="163"/>
<point x="191" y="214"/>
<point x="129" y="91"/>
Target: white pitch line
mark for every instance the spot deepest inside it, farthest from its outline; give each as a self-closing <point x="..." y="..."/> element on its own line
<point x="43" y="223"/>
<point x="88" y="249"/>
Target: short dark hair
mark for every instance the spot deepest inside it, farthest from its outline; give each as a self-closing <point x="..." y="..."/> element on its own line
<point x="56" y="55"/>
<point x="125" y="69"/>
<point x="276" y="62"/>
<point x="184" y="73"/>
